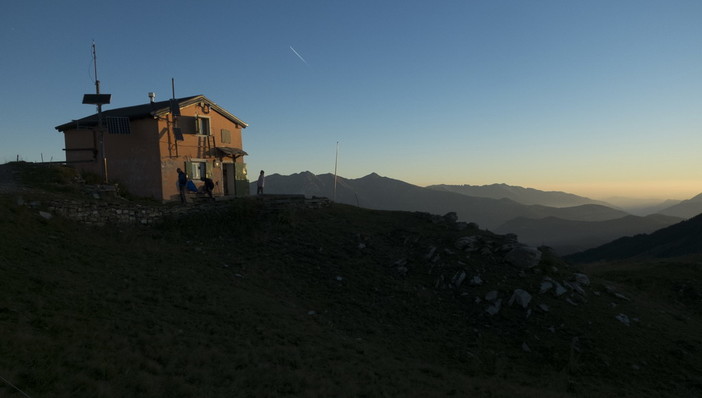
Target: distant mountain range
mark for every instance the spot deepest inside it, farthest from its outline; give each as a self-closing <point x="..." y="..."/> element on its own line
<point x="680" y="239"/>
<point x="685" y="209"/>
<point x="527" y="196"/>
<point x="563" y="221"/>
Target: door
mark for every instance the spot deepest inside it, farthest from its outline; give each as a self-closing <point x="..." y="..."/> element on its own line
<point x="228" y="176"/>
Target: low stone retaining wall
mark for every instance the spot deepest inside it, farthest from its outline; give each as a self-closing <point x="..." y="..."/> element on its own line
<point x="103" y="213"/>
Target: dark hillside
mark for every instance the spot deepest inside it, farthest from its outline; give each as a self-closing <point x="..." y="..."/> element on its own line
<point x="676" y="240"/>
<point x="253" y="298"/>
<point x="562" y="235"/>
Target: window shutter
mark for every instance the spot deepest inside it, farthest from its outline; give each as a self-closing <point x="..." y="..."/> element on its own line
<point x="187" y="124"/>
<point x="226" y="136"/>
<point x="208" y="169"/>
<point x="197" y="125"/>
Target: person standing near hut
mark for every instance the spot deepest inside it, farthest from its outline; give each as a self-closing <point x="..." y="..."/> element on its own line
<point x="182" y="182"/>
<point x="208" y="187"/>
<point x="260" y="183"/>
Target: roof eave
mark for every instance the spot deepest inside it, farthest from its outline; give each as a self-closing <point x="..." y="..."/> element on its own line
<point x="202" y="98"/>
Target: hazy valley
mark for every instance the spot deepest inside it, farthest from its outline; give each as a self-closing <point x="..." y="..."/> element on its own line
<point x="563" y="221"/>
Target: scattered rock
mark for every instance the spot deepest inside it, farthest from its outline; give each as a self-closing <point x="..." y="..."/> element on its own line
<point x="623" y="319"/>
<point x="621" y="296"/>
<point x="581" y="279"/>
<point x="46" y="215"/>
<point x="495" y="307"/>
<point x="451" y="217"/>
<point x="457" y="279"/>
<point x="545" y="287"/>
<point x="491" y="295"/>
<point x="468" y="243"/>
<point x="521" y="297"/>
<point x="524" y="257"/>
<point x="574" y="287"/>
<point x="430" y="254"/>
<point x="616" y="294"/>
<point x="476" y="281"/>
<point x="400" y="263"/>
<point x="560" y="290"/>
<point x="439" y="282"/>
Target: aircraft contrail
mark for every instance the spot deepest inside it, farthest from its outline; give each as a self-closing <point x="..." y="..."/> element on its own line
<point x="298" y="55"/>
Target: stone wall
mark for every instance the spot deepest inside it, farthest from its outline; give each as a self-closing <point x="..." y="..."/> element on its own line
<point x="102" y="213"/>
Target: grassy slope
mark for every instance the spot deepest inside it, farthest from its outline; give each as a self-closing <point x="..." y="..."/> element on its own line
<point x="247" y="302"/>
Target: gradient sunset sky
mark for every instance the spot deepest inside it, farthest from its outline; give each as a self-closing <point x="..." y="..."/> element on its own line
<point x="596" y="98"/>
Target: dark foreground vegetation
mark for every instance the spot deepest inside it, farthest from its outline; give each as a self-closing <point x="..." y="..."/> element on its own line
<point x="249" y="300"/>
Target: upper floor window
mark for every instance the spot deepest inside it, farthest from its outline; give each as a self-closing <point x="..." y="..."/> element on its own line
<point x="202" y="125"/>
<point x="194" y="125"/>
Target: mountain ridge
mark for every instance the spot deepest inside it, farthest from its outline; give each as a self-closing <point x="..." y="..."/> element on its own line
<point x="676" y="240"/>
<point x="384" y="193"/>
<point x="520" y="194"/>
<point x="686" y="208"/>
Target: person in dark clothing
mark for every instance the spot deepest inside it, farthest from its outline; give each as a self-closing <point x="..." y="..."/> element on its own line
<point x="208" y="187"/>
<point x="182" y="182"/>
<point x="260" y="183"/>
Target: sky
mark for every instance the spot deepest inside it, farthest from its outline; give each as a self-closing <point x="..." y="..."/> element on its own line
<point x="597" y="98"/>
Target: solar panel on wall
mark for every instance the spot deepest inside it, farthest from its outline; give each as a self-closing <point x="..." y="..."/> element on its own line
<point x="117" y="125"/>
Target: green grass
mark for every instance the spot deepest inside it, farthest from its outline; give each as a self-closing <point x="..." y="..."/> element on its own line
<point x="249" y="301"/>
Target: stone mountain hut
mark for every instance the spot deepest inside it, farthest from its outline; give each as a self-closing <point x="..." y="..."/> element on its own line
<point x="142" y="146"/>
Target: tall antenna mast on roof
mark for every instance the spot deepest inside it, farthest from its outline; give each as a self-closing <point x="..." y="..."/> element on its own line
<point x="175" y="113"/>
<point x="99" y="100"/>
<point x="97" y="81"/>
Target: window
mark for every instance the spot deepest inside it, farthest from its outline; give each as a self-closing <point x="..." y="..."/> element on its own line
<point x="202" y="125"/>
<point x="194" y="125"/>
<point x="198" y="169"/>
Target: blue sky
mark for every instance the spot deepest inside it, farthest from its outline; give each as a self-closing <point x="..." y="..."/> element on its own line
<point x="597" y="98"/>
